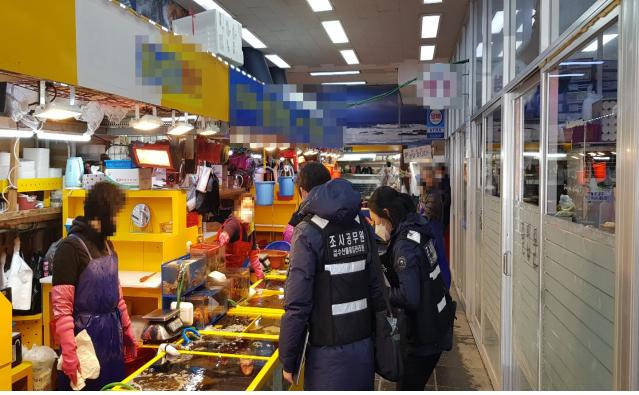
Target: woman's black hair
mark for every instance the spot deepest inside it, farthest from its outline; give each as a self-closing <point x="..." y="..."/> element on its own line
<point x="103" y="201"/>
<point x="313" y="174"/>
<point x="399" y="205"/>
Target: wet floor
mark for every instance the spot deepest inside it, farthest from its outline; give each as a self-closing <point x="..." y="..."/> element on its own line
<point x="460" y="369"/>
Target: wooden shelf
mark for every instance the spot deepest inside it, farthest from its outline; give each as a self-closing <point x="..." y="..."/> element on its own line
<point x="33" y="317"/>
<point x="30" y="216"/>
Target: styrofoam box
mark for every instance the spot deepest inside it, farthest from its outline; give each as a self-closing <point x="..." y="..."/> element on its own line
<point x="130" y="177"/>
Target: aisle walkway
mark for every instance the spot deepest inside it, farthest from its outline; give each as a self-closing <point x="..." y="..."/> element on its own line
<point x="460" y="369"/>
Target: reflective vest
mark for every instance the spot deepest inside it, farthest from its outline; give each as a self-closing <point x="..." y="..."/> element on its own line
<point x="433" y="318"/>
<point x="341" y="313"/>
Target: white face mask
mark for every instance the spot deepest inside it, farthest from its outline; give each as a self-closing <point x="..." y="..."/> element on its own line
<point x="382" y="231"/>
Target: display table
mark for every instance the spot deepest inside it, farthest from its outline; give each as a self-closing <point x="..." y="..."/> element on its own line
<point x="141" y="298"/>
<point x="22" y="372"/>
<point x="5" y="344"/>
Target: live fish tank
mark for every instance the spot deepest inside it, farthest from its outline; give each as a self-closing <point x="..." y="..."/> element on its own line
<point x="238" y="321"/>
<point x="271" y="284"/>
<point x="215" y="343"/>
<point x="264" y="299"/>
<point x="196" y="373"/>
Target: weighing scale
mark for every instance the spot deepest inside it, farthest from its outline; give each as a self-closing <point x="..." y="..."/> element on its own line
<point x="162" y="326"/>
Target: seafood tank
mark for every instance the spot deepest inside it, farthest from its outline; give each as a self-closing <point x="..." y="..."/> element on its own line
<point x="232" y="345"/>
<point x="265" y="300"/>
<point x="197" y="373"/>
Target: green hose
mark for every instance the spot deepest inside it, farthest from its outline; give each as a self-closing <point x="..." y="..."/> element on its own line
<point x="110" y="386"/>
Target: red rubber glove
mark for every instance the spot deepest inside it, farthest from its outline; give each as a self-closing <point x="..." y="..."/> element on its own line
<point x="256" y="265"/>
<point x="129" y="341"/>
<point x="63" y="297"/>
<point x="224" y="238"/>
<point x="288" y="233"/>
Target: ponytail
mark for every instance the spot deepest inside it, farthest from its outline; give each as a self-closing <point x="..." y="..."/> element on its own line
<point x="399" y="205"/>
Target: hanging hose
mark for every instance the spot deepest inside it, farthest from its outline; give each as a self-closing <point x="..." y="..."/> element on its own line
<point x="185" y="335"/>
<point x="110" y="386"/>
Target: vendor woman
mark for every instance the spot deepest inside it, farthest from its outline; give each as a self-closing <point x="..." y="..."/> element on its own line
<point x="238" y="235"/>
<point x="87" y="295"/>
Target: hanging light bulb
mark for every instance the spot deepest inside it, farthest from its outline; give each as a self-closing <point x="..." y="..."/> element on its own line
<point x="147" y="122"/>
<point x="180" y="128"/>
<point x="56" y="111"/>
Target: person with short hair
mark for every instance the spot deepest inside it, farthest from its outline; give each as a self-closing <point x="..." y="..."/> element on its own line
<point x="331" y="292"/>
<point x="86" y="292"/>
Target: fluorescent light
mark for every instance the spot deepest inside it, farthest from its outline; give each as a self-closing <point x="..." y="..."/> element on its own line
<point x="146" y="123"/>
<point x="565" y="75"/>
<point x="210" y="130"/>
<point x="601" y="158"/>
<point x="430" y="26"/>
<point x="345" y="83"/>
<point x="427" y="52"/>
<point x="479" y="51"/>
<point x="558" y="155"/>
<point x="432" y="1"/>
<point x="592" y="47"/>
<point x="355" y="157"/>
<point x="270" y="149"/>
<point x="581" y="63"/>
<point x="518" y="44"/>
<point x="531" y="154"/>
<point x="15" y="133"/>
<point x="180" y="128"/>
<point x="252" y="39"/>
<point x="350" y="57"/>
<point x="63" y="136"/>
<point x="328" y="73"/>
<point x="58" y="111"/>
<point x="211" y="5"/>
<point x="182" y="118"/>
<point x="320" y="5"/>
<point x="279" y="62"/>
<point x="335" y="32"/>
<point x="497" y="24"/>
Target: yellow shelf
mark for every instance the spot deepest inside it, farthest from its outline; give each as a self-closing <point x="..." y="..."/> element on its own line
<point x="35" y="184"/>
<point x="33" y="317"/>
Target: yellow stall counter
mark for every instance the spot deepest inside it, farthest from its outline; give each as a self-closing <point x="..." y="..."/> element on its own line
<point x="141" y="297"/>
<point x="163" y="240"/>
<point x="5" y="344"/>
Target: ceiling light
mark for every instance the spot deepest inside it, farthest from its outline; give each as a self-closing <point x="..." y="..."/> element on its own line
<point x="279" y="62"/>
<point x="427" y="52"/>
<point x="558" y="155"/>
<point x="479" y="51"/>
<point x="211" y="5"/>
<point x="210" y="130"/>
<point x="601" y="158"/>
<point x="350" y="57"/>
<point x="146" y="123"/>
<point x="335" y="32"/>
<point x="252" y="39"/>
<point x="329" y="73"/>
<point x="592" y="47"/>
<point x="320" y="5"/>
<point x="565" y="75"/>
<point x="581" y="63"/>
<point x="432" y="1"/>
<point x="58" y="111"/>
<point x="183" y="118"/>
<point x="497" y="24"/>
<point x="270" y="149"/>
<point x="15" y="133"/>
<point x="345" y="83"/>
<point x="42" y="135"/>
<point x="180" y="128"/>
<point x="430" y="26"/>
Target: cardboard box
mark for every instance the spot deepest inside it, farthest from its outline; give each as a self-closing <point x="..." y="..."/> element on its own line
<point x="89" y="180"/>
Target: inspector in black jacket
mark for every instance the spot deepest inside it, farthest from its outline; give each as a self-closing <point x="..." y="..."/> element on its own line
<point x="330" y="364"/>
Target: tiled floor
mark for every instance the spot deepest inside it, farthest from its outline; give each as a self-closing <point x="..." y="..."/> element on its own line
<point x="460" y="369"/>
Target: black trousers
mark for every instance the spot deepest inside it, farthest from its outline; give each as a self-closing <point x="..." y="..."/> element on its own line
<point x="417" y="371"/>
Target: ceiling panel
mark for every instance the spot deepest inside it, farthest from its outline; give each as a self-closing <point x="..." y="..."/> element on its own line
<point x="383" y="33"/>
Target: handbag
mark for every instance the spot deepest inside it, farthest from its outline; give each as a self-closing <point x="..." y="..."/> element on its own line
<point x="388" y="354"/>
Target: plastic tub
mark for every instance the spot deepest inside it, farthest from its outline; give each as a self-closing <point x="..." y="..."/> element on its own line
<point x="264" y="192"/>
<point x="279" y="245"/>
<point x="287" y="186"/>
<point x="276" y="257"/>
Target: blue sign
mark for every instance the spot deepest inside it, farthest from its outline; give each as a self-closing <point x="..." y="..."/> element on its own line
<point x="435" y="124"/>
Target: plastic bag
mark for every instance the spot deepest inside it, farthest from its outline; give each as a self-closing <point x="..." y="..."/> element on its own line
<point x="42" y="359"/>
<point x="20" y="278"/>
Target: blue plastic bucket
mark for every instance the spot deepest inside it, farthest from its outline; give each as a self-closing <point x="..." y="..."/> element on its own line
<point x="286" y="186"/>
<point x="264" y="191"/>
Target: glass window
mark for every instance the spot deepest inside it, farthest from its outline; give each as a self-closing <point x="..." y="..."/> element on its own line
<point x="531" y="152"/>
<point x="479" y="54"/>
<point x="526" y="17"/>
<point x="496" y="29"/>
<point x="579" y="241"/>
<point x="493" y="154"/>
<point x="565" y="12"/>
<point x="582" y="141"/>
